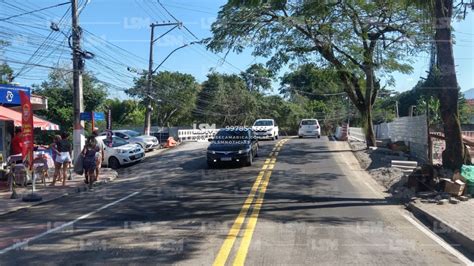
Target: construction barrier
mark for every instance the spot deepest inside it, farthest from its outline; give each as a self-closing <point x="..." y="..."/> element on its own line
<point x="200" y="135"/>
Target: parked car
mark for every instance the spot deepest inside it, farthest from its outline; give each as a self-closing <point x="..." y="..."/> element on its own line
<point x="146" y="142"/>
<point x="120" y="152"/>
<point x="265" y="129"/>
<point x="233" y="145"/>
<point x="309" y="128"/>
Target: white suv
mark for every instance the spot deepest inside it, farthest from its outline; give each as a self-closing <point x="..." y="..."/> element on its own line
<point x="309" y="128"/>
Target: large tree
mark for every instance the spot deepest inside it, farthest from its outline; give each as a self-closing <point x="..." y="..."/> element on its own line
<point x="362" y="40"/>
<point x="258" y="78"/>
<point x="440" y="13"/>
<point x="58" y="90"/>
<point x="226" y="101"/>
<point x="173" y="96"/>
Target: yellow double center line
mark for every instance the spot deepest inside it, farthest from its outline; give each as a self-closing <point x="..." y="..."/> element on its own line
<point x="259" y="186"/>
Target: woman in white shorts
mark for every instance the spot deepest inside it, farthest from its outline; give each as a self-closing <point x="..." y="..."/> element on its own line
<point x="63" y="158"/>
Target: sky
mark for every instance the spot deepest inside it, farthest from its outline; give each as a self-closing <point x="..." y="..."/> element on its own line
<point x="118" y="33"/>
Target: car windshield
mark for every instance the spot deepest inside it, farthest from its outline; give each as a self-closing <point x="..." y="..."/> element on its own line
<point x="309" y="122"/>
<point x="116" y="142"/>
<point x="132" y="133"/>
<point x="263" y="123"/>
<point x="231" y="136"/>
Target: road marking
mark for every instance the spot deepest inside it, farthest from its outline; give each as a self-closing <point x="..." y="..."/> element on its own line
<point x="239" y="221"/>
<point x="250" y="228"/>
<point x="438" y="240"/>
<point x="25" y="242"/>
<point x="226" y="247"/>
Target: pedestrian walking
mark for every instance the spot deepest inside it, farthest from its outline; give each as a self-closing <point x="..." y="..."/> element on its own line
<point x="91" y="157"/>
<point x="63" y="158"/>
<point x="54" y="153"/>
<point x="100" y="160"/>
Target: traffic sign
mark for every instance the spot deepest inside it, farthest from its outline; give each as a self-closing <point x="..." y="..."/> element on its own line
<point x="99" y="116"/>
<point x="86" y="116"/>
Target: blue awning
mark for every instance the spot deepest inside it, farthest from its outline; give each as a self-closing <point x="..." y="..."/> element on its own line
<point x="10" y="94"/>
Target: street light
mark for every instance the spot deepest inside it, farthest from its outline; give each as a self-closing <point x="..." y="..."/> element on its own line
<point x="172" y="52"/>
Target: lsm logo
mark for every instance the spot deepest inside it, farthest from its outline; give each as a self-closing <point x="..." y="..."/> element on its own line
<point x="203" y="126"/>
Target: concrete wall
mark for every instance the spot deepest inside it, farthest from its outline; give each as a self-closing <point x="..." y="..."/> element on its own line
<point x="414" y="132"/>
<point x="411" y="130"/>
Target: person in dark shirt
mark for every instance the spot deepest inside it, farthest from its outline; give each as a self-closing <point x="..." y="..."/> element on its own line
<point x="63" y="158"/>
<point x="17" y="142"/>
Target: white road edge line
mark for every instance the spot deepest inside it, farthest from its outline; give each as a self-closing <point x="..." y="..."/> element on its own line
<point x="438" y="240"/>
<point x="25" y="242"/>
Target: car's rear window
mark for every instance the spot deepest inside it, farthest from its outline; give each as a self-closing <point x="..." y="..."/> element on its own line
<point x="309" y="122"/>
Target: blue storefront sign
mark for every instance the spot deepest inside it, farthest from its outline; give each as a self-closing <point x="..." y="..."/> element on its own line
<point x="10" y="94"/>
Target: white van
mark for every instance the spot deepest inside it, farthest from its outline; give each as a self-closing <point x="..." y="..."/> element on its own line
<point x="309" y="128"/>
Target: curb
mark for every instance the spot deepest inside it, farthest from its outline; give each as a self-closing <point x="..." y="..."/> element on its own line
<point x="450" y="232"/>
<point x="71" y="191"/>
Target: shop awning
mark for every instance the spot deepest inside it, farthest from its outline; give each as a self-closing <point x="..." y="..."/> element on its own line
<point x="8" y="114"/>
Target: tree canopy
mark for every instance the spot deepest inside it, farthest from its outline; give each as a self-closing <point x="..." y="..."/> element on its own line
<point x="58" y="90"/>
<point x="173" y="96"/>
<point x="362" y="40"/>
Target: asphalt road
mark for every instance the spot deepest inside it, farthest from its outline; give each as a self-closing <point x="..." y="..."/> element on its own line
<point x="303" y="202"/>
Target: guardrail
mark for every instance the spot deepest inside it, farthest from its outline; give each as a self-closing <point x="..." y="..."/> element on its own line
<point x="199" y="135"/>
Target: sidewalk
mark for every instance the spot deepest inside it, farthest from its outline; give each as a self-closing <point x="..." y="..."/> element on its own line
<point x="47" y="192"/>
<point x="456" y="221"/>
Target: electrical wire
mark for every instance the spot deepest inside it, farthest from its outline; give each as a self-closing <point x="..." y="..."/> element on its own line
<point x="33" y="11"/>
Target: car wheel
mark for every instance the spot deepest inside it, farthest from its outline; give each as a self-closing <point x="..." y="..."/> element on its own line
<point x="300" y="137"/>
<point x="114" y="163"/>
<point x="276" y="136"/>
<point x="249" y="159"/>
<point x="319" y="136"/>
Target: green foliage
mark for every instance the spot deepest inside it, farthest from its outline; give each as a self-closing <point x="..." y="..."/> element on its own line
<point x="58" y="90"/>
<point x="125" y="112"/>
<point x="225" y="100"/>
<point x="310" y="81"/>
<point x="5" y="72"/>
<point x="173" y="97"/>
<point x="258" y="78"/>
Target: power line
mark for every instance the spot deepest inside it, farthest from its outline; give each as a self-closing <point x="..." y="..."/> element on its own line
<point x="33" y="11"/>
<point x="171" y="15"/>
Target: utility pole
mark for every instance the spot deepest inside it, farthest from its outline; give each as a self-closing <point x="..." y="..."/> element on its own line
<point x="78" y="66"/>
<point x="147" y="126"/>
<point x="149" y="84"/>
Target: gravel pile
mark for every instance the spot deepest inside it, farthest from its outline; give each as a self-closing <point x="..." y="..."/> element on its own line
<point x="377" y="163"/>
